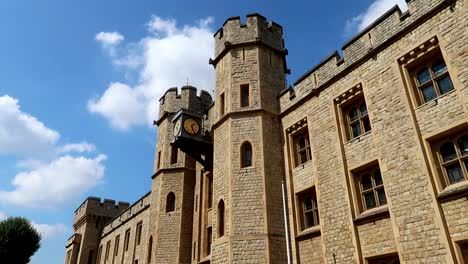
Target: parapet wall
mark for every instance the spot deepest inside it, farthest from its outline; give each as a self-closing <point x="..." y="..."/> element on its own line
<point x="139" y="206"/>
<point x="172" y="101"/>
<point x="94" y="206"/>
<point x="257" y="28"/>
<point x="364" y="45"/>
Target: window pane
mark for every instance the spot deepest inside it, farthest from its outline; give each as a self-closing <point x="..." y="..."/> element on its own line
<point x="303" y="156"/>
<point x="307" y="204"/>
<point x="382" y="197"/>
<point x="363" y="109"/>
<point x="463" y="145"/>
<point x="353" y="114"/>
<point x="439" y="67"/>
<point x="370" y="200"/>
<point x="356" y="130"/>
<point x="366" y="182"/>
<point x="454" y="173"/>
<point x="423" y="76"/>
<point x="445" y="85"/>
<point x="378" y="177"/>
<point x="248" y="157"/>
<point x="302" y="142"/>
<point x="366" y="124"/>
<point x="309" y="219"/>
<point x="448" y="152"/>
<point x="428" y="93"/>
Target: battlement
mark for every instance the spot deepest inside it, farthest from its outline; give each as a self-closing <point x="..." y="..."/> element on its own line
<point x="172" y="101"/>
<point x="94" y="206"/>
<point x="363" y="46"/>
<point x="139" y="206"/>
<point x="256" y="29"/>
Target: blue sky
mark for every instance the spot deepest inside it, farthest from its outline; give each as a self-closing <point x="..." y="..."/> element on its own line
<point x="79" y="82"/>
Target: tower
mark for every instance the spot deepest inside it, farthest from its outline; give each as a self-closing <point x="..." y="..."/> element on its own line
<point x="174" y="179"/>
<point x="88" y="222"/>
<point x="248" y="169"/>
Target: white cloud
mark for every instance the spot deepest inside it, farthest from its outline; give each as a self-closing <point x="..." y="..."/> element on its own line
<point x="374" y="11"/>
<point x="48" y="231"/>
<point x="3" y="216"/>
<point x="77" y="147"/>
<point x="164" y="58"/>
<point x="21" y="133"/>
<point x="55" y="183"/>
<point x="121" y="105"/>
<point x="109" y="38"/>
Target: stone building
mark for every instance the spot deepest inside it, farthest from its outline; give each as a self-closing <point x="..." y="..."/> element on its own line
<point x="372" y="146"/>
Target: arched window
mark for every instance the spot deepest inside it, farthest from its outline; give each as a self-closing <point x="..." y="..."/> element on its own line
<point x="221" y="218"/>
<point x="170" y="202"/>
<point x="150" y="249"/>
<point x="246" y="155"/>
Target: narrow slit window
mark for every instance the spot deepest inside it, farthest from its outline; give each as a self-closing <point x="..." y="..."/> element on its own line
<point x="221" y="218"/>
<point x="245" y="95"/>
<point x="174" y="152"/>
<point x="170" y="202"/>
<point x="246" y="155"/>
<point x="221" y="104"/>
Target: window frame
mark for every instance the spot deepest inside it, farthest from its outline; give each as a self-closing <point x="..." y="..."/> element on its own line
<point x="243" y="155"/>
<point x="244" y="91"/>
<point x="139" y="230"/>
<point x="356" y="102"/>
<point x="171" y="203"/>
<point x="221" y="219"/>
<point x="461" y="160"/>
<point x="314" y="210"/>
<point x="127" y="240"/>
<point x="427" y="63"/>
<point x="296" y="137"/>
<point x="374" y="188"/>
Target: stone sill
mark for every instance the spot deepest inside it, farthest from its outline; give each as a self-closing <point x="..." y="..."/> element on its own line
<point x="360" y="137"/>
<point x="205" y="260"/>
<point x="454" y="191"/>
<point x="309" y="232"/>
<point x="302" y="166"/>
<point x="372" y="215"/>
<point x="433" y="102"/>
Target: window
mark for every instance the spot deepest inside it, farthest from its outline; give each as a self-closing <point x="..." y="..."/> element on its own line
<point x="107" y="251"/>
<point x="221" y="104"/>
<point x="246" y="155"/>
<point x="221" y="218"/>
<point x="127" y="239"/>
<point x="464" y="251"/>
<point x="98" y="258"/>
<point x="138" y="234"/>
<point x="209" y="234"/>
<point x="245" y="100"/>
<point x="371" y="188"/>
<point x="302" y="147"/>
<point x="90" y="256"/>
<point x="357" y="118"/>
<point x="174" y="151"/>
<point x="116" y="248"/>
<point x="158" y="164"/>
<point x="170" y="202"/>
<point x="209" y="180"/>
<point x="150" y="249"/>
<point x="432" y="79"/>
<point x="308" y="209"/>
<point x="389" y="259"/>
<point x="453" y="159"/>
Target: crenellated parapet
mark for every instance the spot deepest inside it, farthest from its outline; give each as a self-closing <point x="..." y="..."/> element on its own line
<point x="172" y="101"/>
<point x="363" y="46"/>
<point x="94" y="206"/>
<point x="256" y="30"/>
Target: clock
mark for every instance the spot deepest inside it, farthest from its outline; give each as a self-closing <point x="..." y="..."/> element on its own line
<point x="191" y="126"/>
<point x="177" y="128"/>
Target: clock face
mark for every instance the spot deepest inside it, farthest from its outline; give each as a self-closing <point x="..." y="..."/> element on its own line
<point x="191" y="126"/>
<point x="177" y="126"/>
